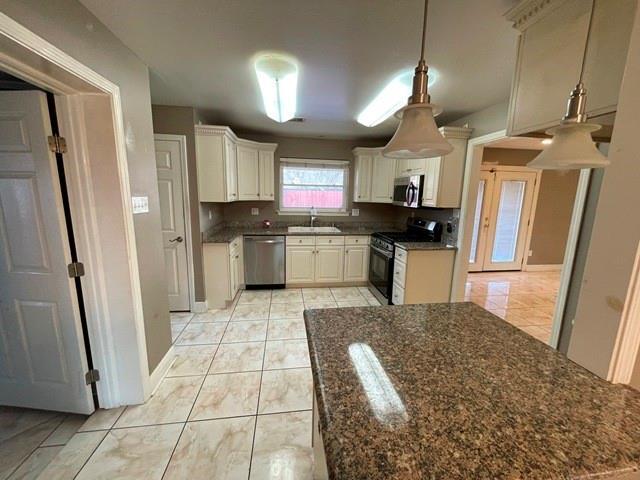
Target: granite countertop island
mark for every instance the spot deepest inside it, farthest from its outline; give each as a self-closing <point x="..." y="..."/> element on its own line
<point x="425" y="246"/>
<point x="450" y="391"/>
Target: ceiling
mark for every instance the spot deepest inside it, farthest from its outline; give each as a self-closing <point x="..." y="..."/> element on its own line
<point x="199" y="54"/>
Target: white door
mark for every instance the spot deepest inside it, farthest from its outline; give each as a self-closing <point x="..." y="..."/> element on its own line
<point x="266" y="175"/>
<point x="231" y="170"/>
<point x="248" y="173"/>
<point x="329" y="263"/>
<point x="42" y="355"/>
<point x="172" y="216"/>
<point x="362" y="182"/>
<point x="384" y="170"/>
<point x="356" y="261"/>
<point x="300" y="264"/>
<point x="481" y="221"/>
<point x="509" y="218"/>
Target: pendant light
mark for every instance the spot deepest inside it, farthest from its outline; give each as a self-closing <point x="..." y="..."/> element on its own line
<point x="572" y="147"/>
<point x="417" y="135"/>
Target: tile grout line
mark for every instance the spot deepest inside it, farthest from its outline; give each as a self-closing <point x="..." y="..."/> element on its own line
<point x="204" y="378"/>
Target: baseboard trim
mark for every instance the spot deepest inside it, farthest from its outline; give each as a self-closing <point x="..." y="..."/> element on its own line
<point x="542" y="268"/>
<point x="199" y="307"/>
<point x="160" y="371"/>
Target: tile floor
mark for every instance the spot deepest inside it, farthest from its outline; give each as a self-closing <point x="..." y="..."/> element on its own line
<point x="524" y="299"/>
<point x="236" y="403"/>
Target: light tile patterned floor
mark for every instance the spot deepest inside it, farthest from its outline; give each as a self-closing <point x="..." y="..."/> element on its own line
<point x="524" y="299"/>
<point x="236" y="402"/>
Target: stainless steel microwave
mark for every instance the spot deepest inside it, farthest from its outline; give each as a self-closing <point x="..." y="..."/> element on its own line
<point x="407" y="191"/>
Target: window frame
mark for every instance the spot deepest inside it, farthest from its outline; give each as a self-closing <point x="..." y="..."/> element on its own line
<point x="318" y="163"/>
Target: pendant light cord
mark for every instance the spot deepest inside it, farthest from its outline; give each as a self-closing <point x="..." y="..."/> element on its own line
<point x="424" y="29"/>
<point x="586" y="40"/>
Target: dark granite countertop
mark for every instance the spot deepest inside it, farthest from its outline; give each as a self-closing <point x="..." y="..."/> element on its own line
<point x="227" y="233"/>
<point x="450" y="391"/>
<point x="425" y="246"/>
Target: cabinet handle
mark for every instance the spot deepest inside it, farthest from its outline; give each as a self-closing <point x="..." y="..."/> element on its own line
<point x="237" y="256"/>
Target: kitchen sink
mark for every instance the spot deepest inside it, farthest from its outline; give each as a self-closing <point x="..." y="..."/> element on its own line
<point x="314" y="230"/>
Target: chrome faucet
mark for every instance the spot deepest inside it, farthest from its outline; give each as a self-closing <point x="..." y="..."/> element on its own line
<point x="312" y="214"/>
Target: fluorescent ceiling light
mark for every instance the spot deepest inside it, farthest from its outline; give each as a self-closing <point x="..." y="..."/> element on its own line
<point x="547" y="141"/>
<point x="390" y="99"/>
<point x="278" y="80"/>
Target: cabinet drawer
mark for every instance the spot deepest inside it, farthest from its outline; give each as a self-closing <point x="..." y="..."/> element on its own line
<point x="356" y="240"/>
<point x="397" y="297"/>
<point x="301" y="240"/>
<point x="399" y="273"/>
<point x="330" y="240"/>
<point x="400" y="255"/>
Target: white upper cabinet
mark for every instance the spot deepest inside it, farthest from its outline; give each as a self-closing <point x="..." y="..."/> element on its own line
<point x="362" y="177"/>
<point x="231" y="169"/>
<point x="443" y="175"/>
<point x="267" y="185"/>
<point x="374" y="175"/>
<point x="550" y="50"/>
<point x="410" y="166"/>
<point x="382" y="176"/>
<point x="248" y="173"/>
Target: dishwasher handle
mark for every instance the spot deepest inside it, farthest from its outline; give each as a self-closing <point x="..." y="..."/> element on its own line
<point x="264" y="241"/>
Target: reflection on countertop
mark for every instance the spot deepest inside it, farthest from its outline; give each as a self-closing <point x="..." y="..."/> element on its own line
<point x="450" y="391"/>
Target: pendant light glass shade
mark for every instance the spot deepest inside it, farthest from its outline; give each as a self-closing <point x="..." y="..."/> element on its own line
<point x="572" y="148"/>
<point x="417" y="135"/>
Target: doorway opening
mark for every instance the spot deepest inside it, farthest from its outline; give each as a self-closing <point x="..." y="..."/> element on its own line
<point x="518" y="234"/>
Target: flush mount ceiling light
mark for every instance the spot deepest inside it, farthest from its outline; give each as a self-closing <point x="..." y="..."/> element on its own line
<point x="572" y="147"/>
<point x="278" y="80"/>
<point x="391" y="98"/>
<point x="547" y="141"/>
<point x="417" y="135"/>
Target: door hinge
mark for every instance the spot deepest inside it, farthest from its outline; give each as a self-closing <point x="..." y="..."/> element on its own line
<point x="57" y="144"/>
<point x="76" y="269"/>
<point x="92" y="376"/>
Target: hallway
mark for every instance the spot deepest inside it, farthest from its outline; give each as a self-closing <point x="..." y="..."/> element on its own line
<point x="524" y="299"/>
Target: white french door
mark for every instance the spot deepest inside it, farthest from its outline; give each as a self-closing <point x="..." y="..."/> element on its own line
<point x="502" y="218"/>
<point x="42" y="354"/>
<point x="172" y="217"/>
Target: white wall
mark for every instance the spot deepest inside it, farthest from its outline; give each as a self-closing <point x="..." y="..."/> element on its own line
<point x="616" y="231"/>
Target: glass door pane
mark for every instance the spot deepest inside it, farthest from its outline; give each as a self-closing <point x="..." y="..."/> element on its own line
<point x="508" y="221"/>
<point x="476" y="222"/>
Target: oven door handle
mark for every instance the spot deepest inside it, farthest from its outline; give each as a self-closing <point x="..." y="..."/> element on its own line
<point x="382" y="252"/>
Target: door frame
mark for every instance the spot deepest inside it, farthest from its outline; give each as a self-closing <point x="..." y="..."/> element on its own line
<point x="125" y="376"/>
<point x="534" y="203"/>
<point x="182" y="140"/>
<point x="473" y="164"/>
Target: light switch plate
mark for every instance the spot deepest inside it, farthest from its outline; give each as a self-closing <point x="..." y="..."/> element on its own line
<point x="355" y="212"/>
<point x="255" y="211"/>
<point x="140" y="205"/>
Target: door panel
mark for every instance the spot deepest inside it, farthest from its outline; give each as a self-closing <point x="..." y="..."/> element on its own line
<point x="248" y="174"/>
<point x="172" y="219"/>
<point x="300" y="264"/>
<point x="481" y="221"/>
<point x="511" y="205"/>
<point x="329" y="264"/>
<point x="356" y="260"/>
<point x="42" y="356"/>
<point x="382" y="179"/>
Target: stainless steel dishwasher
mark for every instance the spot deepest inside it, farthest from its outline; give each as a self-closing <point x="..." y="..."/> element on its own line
<point x="264" y="258"/>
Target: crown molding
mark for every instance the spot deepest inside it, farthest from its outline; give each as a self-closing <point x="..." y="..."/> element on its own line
<point x="217" y="130"/>
<point x="528" y="12"/>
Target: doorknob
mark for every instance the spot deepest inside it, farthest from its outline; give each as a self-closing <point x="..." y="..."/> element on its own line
<point x="177" y="239"/>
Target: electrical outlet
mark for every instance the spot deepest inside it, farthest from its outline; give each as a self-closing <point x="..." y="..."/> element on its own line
<point x="255" y="211"/>
<point x="530" y="252"/>
<point x="355" y="212"/>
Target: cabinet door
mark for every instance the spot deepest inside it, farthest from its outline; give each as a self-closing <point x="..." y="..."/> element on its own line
<point x="231" y="170"/>
<point x="329" y="263"/>
<point x="248" y="173"/>
<point x="356" y="262"/>
<point x="266" y="175"/>
<point x="300" y="264"/>
<point x="410" y="166"/>
<point x="210" y="166"/>
<point x="233" y="276"/>
<point x="431" y="182"/>
<point x="362" y="181"/>
<point x="383" y="174"/>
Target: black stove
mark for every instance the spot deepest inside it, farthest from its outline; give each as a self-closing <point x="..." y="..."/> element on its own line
<point x="383" y="249"/>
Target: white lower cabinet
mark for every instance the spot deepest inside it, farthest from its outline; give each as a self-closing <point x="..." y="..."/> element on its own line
<point x="356" y="263"/>
<point x="327" y="259"/>
<point x="329" y="263"/>
<point x="223" y="271"/>
<point x="300" y="264"/>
